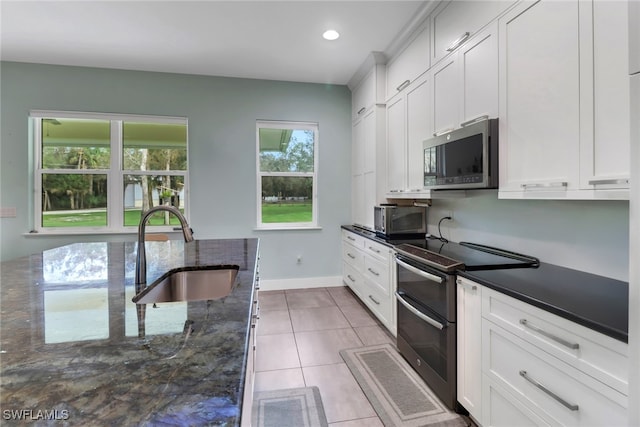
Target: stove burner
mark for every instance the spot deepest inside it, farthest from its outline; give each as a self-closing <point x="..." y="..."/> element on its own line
<point x="432" y="259"/>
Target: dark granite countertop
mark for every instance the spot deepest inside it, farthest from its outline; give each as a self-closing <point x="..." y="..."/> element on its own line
<point x="597" y="302"/>
<point x="74" y="347"/>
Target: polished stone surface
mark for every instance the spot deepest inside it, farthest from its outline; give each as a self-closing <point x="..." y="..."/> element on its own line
<point x="76" y="348"/>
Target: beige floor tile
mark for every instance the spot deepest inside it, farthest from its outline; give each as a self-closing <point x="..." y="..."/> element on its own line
<point x="362" y="422"/>
<point x="278" y="380"/>
<point x="274" y="322"/>
<point x="316" y="319"/>
<point x="272" y="300"/>
<point x="358" y="316"/>
<point x="343" y="296"/>
<point x="323" y="347"/>
<point x="372" y="335"/>
<point x="308" y="298"/>
<point x="276" y="352"/>
<point x="342" y="397"/>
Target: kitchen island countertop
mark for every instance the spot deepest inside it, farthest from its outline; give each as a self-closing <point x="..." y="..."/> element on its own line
<point x="75" y="350"/>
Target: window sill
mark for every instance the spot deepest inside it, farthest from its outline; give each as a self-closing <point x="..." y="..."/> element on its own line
<point x="59" y="233"/>
<point x="284" y="228"/>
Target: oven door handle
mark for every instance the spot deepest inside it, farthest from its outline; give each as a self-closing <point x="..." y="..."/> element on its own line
<point x="419" y="272"/>
<point x="422" y="316"/>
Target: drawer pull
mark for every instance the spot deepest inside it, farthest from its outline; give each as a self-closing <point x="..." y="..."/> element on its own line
<point x="351" y="278"/>
<point x="573" y="346"/>
<point x="350" y="255"/>
<point x="403" y="85"/>
<point x="608" y="181"/>
<point x="372" y="271"/>
<point x="568" y="405"/>
<point x="374" y="300"/>
<point x="362" y="110"/>
<point x="351" y="238"/>
<point x="549" y="185"/>
<point x="374" y="249"/>
<point x="458" y="42"/>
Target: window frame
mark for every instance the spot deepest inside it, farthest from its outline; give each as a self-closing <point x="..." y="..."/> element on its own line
<point x="292" y="125"/>
<point x="115" y="173"/>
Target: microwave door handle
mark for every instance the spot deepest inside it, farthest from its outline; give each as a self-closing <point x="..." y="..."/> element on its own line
<point x="422" y="316"/>
<point x="419" y="272"/>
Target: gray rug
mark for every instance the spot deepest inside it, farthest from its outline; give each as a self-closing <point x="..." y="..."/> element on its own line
<point x="294" y="407"/>
<point x="395" y="390"/>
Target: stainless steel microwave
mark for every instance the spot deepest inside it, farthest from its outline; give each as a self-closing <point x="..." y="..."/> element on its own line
<point x="400" y="221"/>
<point x="465" y="158"/>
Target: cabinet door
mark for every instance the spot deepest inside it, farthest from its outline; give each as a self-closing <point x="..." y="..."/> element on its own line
<point x="396" y="165"/>
<point x="419" y="128"/>
<point x="469" y="328"/>
<point x="446" y="90"/>
<point x="454" y="22"/>
<point x="368" y="143"/>
<point x="364" y="95"/>
<point x="357" y="200"/>
<point x="605" y="155"/>
<point x="479" y="73"/>
<point x="409" y="64"/>
<point x="357" y="147"/>
<point x="540" y="96"/>
<point x="369" y="199"/>
<point x="634" y="37"/>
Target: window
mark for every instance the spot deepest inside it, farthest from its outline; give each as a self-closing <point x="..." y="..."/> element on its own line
<point x="287" y="174"/>
<point x="99" y="172"/>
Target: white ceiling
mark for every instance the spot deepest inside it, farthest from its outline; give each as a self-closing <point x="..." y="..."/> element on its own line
<point x="274" y="40"/>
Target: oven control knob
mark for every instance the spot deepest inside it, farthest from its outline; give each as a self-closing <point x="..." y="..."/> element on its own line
<point x="418" y="362"/>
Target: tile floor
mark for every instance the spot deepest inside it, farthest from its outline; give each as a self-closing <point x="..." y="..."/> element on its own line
<point x="300" y="333"/>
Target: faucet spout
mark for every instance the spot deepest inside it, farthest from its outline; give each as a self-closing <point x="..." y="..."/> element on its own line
<point x="141" y="257"/>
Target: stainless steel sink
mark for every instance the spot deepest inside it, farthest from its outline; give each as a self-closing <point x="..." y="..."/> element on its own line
<point x="212" y="282"/>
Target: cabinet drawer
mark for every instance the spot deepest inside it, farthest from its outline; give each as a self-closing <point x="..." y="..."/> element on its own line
<point x="353" y="238"/>
<point x="377" y="273"/>
<point x="380" y="304"/>
<point x="377" y="250"/>
<point x="554" y="390"/>
<point x="352" y="256"/>
<point x="352" y="278"/>
<point x="597" y="355"/>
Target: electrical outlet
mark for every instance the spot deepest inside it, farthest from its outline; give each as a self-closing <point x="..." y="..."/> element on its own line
<point x="449" y="214"/>
<point x="299" y="259"/>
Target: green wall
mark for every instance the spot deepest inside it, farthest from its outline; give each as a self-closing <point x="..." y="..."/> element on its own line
<point x="222" y="113"/>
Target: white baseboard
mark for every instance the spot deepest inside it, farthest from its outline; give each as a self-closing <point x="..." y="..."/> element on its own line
<point x="301" y="283"/>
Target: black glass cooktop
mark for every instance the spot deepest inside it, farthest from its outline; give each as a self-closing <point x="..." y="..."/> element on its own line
<point x="473" y="256"/>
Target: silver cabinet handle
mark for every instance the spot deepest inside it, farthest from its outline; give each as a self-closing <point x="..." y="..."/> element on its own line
<point x="562" y="185"/>
<point x="566" y="404"/>
<point x="374" y="249"/>
<point x="375" y="273"/>
<point x="403" y="85"/>
<point x="362" y="110"/>
<point x="472" y="121"/>
<point x="374" y="300"/>
<point x="573" y="346"/>
<point x="422" y="316"/>
<point x="443" y="132"/>
<point x="465" y="285"/>
<point x="458" y="42"/>
<point x="351" y="278"/>
<point x="419" y="272"/>
<point x="608" y="181"/>
<point x="350" y="255"/>
<point x="351" y="238"/>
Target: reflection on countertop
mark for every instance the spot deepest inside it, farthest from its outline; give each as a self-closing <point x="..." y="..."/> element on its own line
<point x="72" y="340"/>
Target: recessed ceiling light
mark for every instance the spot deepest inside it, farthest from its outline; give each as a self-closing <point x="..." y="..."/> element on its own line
<point x="330" y="35"/>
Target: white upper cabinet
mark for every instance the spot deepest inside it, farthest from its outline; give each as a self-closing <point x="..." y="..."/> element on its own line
<point x="634" y="37"/>
<point x="409" y="64"/>
<point x="454" y="22"/>
<point x="564" y="101"/>
<point x="446" y="91"/>
<point x="419" y="128"/>
<point x="368" y="92"/>
<point x="396" y="147"/>
<point x="605" y="155"/>
<point x="540" y="96"/>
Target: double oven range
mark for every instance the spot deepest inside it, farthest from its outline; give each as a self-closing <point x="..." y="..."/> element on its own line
<point x="426" y="304"/>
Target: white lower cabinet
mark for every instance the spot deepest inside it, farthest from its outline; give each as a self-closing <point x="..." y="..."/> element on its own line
<point x="520" y="365"/>
<point x="368" y="270"/>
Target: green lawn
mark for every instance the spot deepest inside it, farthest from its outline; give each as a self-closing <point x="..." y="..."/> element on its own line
<point x="286" y="212"/>
<point x="99" y="219"/>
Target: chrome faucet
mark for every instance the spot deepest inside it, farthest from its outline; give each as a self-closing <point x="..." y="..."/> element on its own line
<point x="141" y="258"/>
